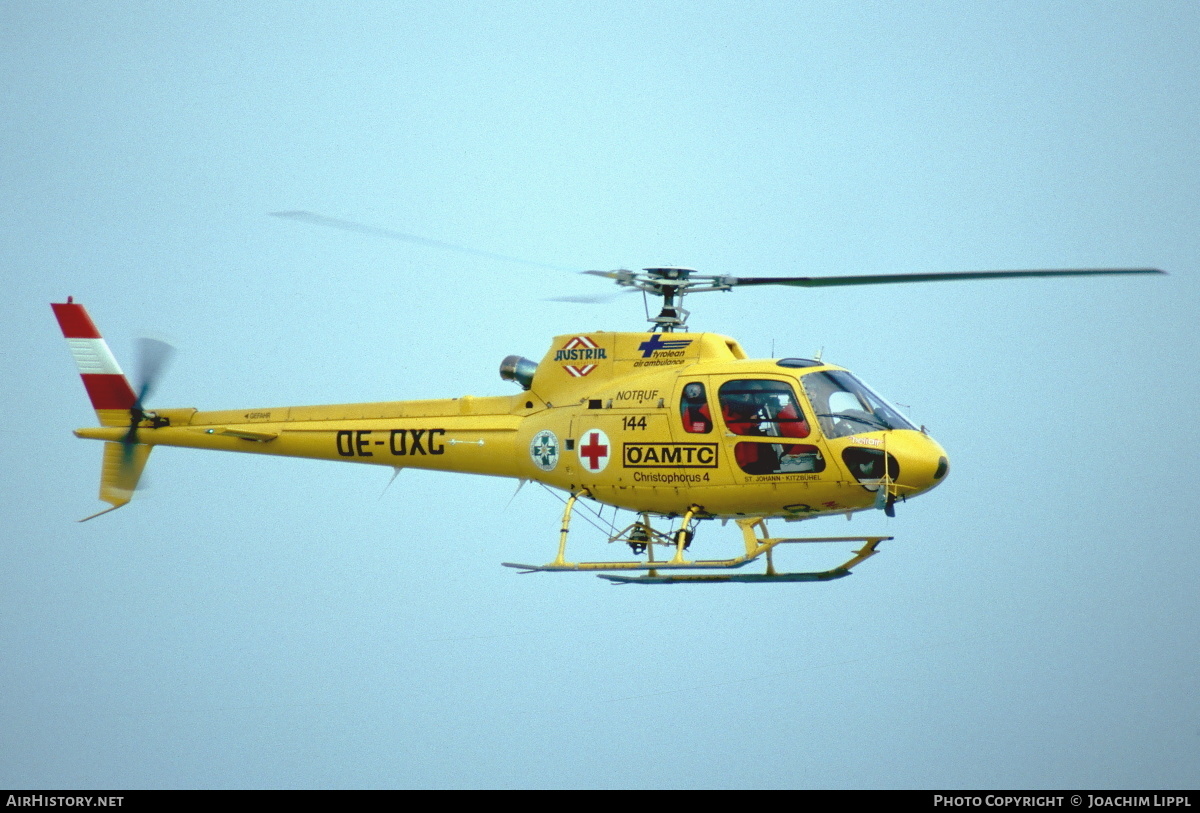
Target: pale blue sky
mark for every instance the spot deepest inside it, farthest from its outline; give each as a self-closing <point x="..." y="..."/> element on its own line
<point x="277" y="623"/>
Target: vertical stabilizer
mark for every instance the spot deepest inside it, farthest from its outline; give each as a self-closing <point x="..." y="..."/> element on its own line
<point x="106" y="385"/>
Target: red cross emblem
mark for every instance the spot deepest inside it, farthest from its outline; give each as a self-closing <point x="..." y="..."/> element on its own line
<point x="594" y="451"/>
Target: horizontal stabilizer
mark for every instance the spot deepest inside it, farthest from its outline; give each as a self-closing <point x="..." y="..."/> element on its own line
<point x="245" y="434"/>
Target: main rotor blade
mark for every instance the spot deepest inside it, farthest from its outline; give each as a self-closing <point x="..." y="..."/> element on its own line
<point x="599" y="299"/>
<point x="583" y="300"/>
<point x="883" y="279"/>
<point x="315" y="219"/>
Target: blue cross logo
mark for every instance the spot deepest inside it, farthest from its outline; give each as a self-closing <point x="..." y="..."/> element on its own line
<point x="656" y="343"/>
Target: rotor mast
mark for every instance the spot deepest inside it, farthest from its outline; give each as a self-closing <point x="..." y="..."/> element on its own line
<point x="672" y="317"/>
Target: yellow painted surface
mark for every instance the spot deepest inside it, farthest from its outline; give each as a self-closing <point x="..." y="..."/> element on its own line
<point x="603" y="414"/>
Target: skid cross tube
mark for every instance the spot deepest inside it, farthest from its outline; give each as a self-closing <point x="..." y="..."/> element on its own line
<point x="560" y="562"/>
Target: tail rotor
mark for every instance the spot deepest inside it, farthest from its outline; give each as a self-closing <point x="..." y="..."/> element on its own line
<point x="153" y="357"/>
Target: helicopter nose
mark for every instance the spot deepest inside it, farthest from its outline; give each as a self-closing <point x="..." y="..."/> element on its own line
<point x="923" y="462"/>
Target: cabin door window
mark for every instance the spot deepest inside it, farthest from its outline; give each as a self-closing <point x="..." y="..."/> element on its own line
<point x="761" y="408"/>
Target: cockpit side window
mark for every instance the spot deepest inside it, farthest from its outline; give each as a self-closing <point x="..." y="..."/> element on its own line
<point x="693" y="409"/>
<point x="762" y="407"/>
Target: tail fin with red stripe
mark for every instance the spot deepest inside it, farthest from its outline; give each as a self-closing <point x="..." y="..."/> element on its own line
<point x="106" y="385"/>
<point x="112" y="397"/>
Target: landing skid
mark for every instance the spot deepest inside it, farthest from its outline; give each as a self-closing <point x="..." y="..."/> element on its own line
<point x="641" y="537"/>
<point x="744" y="578"/>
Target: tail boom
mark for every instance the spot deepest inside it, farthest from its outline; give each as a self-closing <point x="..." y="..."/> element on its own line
<point x="471" y="444"/>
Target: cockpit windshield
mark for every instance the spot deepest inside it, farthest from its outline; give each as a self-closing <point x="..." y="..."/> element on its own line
<point x="846" y="406"/>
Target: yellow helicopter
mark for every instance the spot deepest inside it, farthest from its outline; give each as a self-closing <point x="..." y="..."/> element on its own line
<point x="673" y="426"/>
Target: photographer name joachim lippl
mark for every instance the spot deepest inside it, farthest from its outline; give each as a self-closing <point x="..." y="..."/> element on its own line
<point x="1108" y="800"/>
<point x="1138" y="801"/>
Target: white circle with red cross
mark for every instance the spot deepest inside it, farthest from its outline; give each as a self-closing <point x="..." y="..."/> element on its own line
<point x="594" y="450"/>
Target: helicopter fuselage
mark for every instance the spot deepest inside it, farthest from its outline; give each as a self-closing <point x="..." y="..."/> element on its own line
<point x="651" y="422"/>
